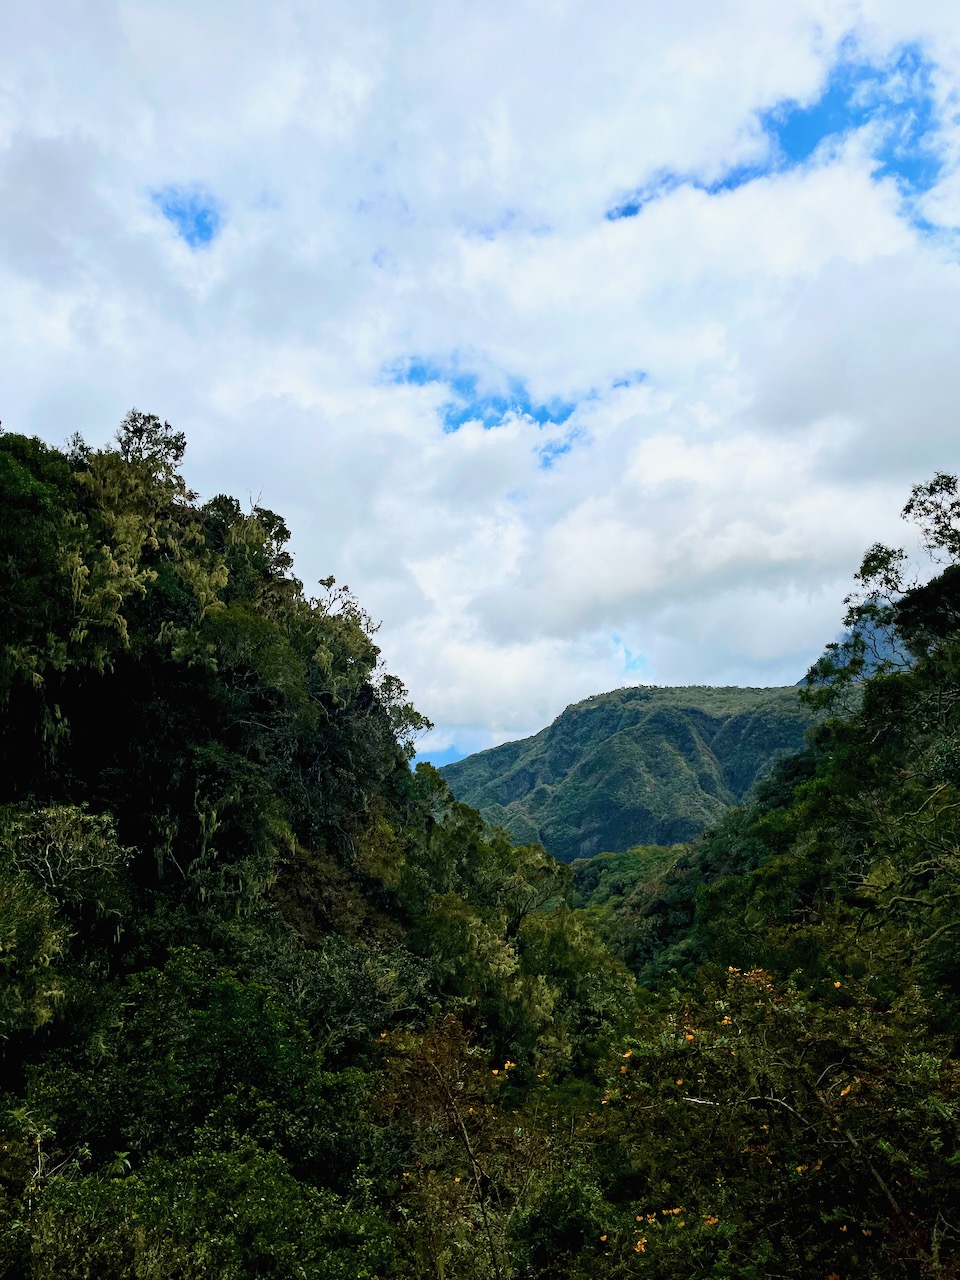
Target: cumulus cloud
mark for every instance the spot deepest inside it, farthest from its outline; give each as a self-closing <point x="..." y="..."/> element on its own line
<point x="588" y="342"/>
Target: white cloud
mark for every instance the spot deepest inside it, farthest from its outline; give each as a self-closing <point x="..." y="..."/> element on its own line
<point x="420" y="181"/>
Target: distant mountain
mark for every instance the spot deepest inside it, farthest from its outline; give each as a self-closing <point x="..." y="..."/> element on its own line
<point x="641" y="765"/>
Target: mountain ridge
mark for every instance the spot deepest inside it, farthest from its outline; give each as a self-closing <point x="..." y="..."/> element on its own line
<point x="643" y="764"/>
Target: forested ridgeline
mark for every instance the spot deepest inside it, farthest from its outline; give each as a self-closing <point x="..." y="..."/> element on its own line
<point x="640" y="765"/>
<point x="274" y="1005"/>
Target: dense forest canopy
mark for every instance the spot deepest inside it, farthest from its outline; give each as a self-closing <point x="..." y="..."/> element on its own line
<point x="274" y="1004"/>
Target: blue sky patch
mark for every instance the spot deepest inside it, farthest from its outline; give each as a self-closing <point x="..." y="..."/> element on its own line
<point x="196" y="215"/>
<point x="465" y="741"/>
<point x="634" y="663"/>
<point x="661" y="184"/>
<point x="555" y="449"/>
<point x="490" y="400"/>
<point x="895" y="97"/>
<point x="446" y="755"/>
<point x="475" y="399"/>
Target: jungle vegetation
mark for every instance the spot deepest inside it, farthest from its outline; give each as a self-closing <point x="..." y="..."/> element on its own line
<point x="273" y="1004"/>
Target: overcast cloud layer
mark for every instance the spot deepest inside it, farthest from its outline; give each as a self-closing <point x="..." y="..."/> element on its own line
<point x="590" y="343"/>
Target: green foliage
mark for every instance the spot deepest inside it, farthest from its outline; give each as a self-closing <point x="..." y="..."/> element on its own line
<point x="751" y="1125"/>
<point x="72" y="854"/>
<point x="636" y="766"/>
<point x="612" y="876"/>
<point x="32" y="940"/>
<point x="227" y="1214"/>
<point x="273" y="1004"/>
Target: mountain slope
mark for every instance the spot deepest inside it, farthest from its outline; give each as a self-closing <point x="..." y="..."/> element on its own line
<point x="636" y="766"/>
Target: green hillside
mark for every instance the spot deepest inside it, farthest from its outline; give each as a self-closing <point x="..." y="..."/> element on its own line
<point x="635" y="766"/>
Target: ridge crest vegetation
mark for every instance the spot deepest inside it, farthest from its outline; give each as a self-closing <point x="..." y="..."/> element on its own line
<point x="640" y="765"/>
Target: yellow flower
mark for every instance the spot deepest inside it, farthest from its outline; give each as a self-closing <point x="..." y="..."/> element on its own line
<point x="494" y="1072"/>
<point x="837" y="985"/>
<point x="628" y="1054"/>
<point x="603" y="1237"/>
<point x="641" y="1244"/>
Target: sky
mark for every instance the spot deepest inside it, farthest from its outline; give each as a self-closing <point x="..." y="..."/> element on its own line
<point x="590" y="342"/>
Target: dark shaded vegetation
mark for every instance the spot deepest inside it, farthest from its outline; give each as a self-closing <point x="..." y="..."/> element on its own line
<point x="636" y="766"/>
<point x="274" y="1005"/>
